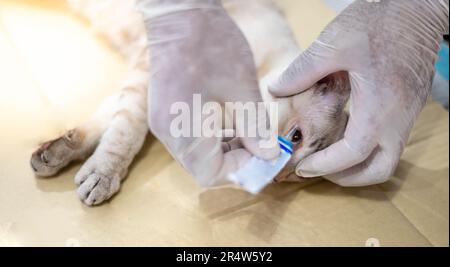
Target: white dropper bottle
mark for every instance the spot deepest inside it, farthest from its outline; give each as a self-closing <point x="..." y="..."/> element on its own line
<point x="258" y="173"/>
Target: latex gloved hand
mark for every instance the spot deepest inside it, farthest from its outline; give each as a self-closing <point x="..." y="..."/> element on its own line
<point x="196" y="48"/>
<point x="389" y="49"/>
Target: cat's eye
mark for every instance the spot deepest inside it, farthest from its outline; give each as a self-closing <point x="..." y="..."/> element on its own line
<point x="295" y="136"/>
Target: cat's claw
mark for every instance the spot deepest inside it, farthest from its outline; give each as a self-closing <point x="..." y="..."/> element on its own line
<point x="54" y="155"/>
<point x="96" y="185"/>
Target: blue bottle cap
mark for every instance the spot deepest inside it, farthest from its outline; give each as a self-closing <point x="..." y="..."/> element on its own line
<point x="285" y="145"/>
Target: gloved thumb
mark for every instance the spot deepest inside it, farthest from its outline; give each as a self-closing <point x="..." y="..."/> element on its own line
<point x="258" y="138"/>
<point x="262" y="148"/>
<point x="314" y="64"/>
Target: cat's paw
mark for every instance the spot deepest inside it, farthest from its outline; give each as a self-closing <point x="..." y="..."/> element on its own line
<point x="96" y="184"/>
<point x="53" y="155"/>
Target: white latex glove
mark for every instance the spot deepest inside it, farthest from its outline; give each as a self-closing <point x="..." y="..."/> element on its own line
<point x="196" y="48"/>
<point x="388" y="48"/>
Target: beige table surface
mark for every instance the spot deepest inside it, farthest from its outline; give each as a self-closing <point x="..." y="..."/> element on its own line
<point x="159" y="204"/>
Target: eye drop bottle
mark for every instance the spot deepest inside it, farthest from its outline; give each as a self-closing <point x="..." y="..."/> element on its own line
<point x="258" y="173"/>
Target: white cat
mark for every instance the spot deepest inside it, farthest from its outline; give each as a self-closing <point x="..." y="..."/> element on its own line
<point x="116" y="132"/>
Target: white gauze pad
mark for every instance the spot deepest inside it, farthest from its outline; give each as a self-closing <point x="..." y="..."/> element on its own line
<point x="258" y="173"/>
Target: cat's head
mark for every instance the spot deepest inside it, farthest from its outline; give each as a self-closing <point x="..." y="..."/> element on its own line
<point x="319" y="116"/>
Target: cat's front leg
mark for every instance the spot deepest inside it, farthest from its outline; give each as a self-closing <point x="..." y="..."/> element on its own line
<point x="100" y="177"/>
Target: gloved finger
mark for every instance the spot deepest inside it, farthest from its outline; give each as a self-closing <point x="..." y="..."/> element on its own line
<point x="208" y="163"/>
<point x="314" y="64"/>
<point x="232" y="144"/>
<point x="261" y="148"/>
<point x="376" y="169"/>
<point x="337" y="157"/>
<point x="256" y="136"/>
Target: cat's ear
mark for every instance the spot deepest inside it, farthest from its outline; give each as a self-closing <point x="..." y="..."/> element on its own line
<point x="336" y="83"/>
<point x="335" y="91"/>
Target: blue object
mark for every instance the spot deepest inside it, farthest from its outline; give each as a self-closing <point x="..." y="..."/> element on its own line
<point x="285" y="144"/>
<point x="442" y="63"/>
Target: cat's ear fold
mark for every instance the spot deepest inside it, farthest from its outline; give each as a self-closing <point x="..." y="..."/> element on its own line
<point x="336" y="83"/>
